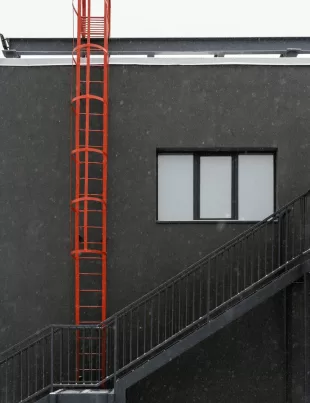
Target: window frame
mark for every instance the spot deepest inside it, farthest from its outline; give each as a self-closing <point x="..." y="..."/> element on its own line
<point x="217" y="152"/>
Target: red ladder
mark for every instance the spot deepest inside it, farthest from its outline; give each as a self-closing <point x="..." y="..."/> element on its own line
<point x="89" y="153"/>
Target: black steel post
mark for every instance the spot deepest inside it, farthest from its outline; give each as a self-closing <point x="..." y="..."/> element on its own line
<point x="120" y="394"/>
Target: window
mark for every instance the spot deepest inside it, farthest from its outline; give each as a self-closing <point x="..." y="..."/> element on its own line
<point x="215" y="186"/>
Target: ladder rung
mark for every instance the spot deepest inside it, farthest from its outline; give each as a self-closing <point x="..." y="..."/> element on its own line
<point x="90" y="195"/>
<point x="90" y="226"/>
<point x="91" y="114"/>
<point x="91" y="81"/>
<point x="90" y="146"/>
<point x="91" y="163"/>
<point x="91" y="243"/>
<point x="92" y="130"/>
<point x="88" y="211"/>
<point x="93" y="179"/>
<point x="89" y="257"/>
<point x="98" y="195"/>
<point x="97" y="354"/>
<point x="90" y="274"/>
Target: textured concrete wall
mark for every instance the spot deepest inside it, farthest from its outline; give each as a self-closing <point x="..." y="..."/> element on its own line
<point x="159" y="106"/>
<point x="36" y="278"/>
<point x="185" y="106"/>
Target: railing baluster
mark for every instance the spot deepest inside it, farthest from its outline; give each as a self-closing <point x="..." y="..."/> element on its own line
<point x="186" y="300"/>
<point x="238" y="271"/>
<point x="303" y="223"/>
<point x="306" y="244"/>
<point x="265" y="250"/>
<point x="60" y="356"/>
<point x="193" y="297"/>
<point x="52" y="359"/>
<point x="252" y="257"/>
<point x="179" y="321"/>
<point x="36" y="365"/>
<point x="301" y="226"/>
<point x="286" y="235"/>
<point x="258" y="244"/>
<point x="21" y="375"/>
<point x="14" y="378"/>
<point x="106" y="352"/>
<point x="68" y="353"/>
<point x="151" y="338"/>
<point x="92" y="355"/>
<point x="130" y="337"/>
<point x="6" y="381"/>
<point x="116" y="348"/>
<point x="280" y="240"/>
<point x="138" y="333"/>
<point x="208" y="296"/>
<point x="144" y="329"/>
<point x="272" y="244"/>
<point x="223" y="277"/>
<point x="158" y="319"/>
<point x="165" y="314"/>
<point x="82" y="350"/>
<point x="293" y="232"/>
<point x="216" y="282"/>
<point x="172" y="311"/>
<point x="245" y="250"/>
<point x="101" y="340"/>
<point x="231" y="268"/>
<point x="200" y="291"/>
<point x="28" y="372"/>
<point x="124" y="341"/>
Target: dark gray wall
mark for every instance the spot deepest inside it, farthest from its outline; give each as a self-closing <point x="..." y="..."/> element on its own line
<point x="186" y="106"/>
<point x="151" y="106"/>
<point x="36" y="278"/>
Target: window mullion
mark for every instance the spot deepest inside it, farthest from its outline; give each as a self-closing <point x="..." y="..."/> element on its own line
<point x="196" y="186"/>
<point x="234" y="185"/>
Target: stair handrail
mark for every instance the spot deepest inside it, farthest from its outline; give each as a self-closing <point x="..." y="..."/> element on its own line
<point x="13" y="350"/>
<point x="24" y="343"/>
<point x="240" y="237"/>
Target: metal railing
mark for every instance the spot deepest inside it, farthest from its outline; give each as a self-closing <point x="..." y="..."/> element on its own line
<point x="90" y="356"/>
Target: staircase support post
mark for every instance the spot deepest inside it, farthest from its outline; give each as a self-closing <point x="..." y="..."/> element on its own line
<point x="298" y="340"/>
<point x="120" y="394"/>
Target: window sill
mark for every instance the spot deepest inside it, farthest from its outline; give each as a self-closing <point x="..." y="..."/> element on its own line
<point x="215" y="222"/>
<point x="207" y="222"/>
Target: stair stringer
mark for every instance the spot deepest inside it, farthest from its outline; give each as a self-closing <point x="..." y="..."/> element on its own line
<point x="206" y="330"/>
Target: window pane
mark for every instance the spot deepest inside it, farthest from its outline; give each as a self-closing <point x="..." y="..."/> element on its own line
<point x="175" y="187"/>
<point x="215" y="187"/>
<point x="256" y="187"/>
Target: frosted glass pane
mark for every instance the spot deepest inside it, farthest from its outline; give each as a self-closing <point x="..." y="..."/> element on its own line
<point x="215" y="187"/>
<point x="175" y="187"/>
<point x="256" y="187"/>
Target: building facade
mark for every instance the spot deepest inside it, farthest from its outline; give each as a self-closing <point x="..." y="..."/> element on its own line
<point x="236" y="121"/>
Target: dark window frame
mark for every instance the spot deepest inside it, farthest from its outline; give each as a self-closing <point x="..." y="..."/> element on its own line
<point x="218" y="152"/>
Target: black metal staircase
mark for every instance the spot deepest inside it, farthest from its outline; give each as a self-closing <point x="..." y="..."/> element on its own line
<point x="166" y="322"/>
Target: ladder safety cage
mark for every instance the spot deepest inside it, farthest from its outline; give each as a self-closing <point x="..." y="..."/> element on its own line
<point x="89" y="154"/>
